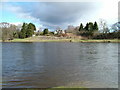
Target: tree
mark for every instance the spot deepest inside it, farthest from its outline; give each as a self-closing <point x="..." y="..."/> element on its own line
<point x="13" y="29"/>
<point x="5" y="33"/>
<point x="45" y="31"/>
<point x="90" y="26"/>
<point x="30" y="30"/>
<point x="89" y="29"/>
<point x="27" y="30"/>
<point x="86" y="27"/>
<point x="33" y="27"/>
<point x="95" y="26"/>
<point x="70" y="29"/>
<point x="103" y="26"/>
<point x="23" y="30"/>
<point x="81" y="27"/>
<point x="8" y="31"/>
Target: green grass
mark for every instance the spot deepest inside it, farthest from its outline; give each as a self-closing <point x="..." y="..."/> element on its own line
<point x="45" y="40"/>
<point x="65" y="40"/>
<point x="70" y="88"/>
<point x="59" y="88"/>
<point x="99" y="40"/>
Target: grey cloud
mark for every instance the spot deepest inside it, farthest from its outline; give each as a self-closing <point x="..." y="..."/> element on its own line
<point x="59" y="13"/>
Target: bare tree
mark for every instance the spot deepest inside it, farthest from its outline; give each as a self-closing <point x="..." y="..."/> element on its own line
<point x="4" y="25"/>
<point x="103" y="26"/>
<point x="70" y="29"/>
<point x="8" y="31"/>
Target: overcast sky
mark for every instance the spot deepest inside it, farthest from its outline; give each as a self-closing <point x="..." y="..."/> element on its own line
<point x="59" y="14"/>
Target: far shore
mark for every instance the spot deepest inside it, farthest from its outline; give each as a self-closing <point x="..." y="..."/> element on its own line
<point x="66" y="40"/>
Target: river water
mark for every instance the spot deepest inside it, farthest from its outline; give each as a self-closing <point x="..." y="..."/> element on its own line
<point x="44" y="65"/>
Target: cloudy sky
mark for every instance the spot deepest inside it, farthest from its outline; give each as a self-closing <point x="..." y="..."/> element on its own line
<point x="59" y="14"/>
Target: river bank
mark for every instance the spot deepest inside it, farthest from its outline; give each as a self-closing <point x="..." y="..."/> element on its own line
<point x="67" y="40"/>
<point x="62" y="39"/>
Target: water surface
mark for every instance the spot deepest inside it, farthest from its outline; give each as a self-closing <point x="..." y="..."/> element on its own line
<point x="43" y="65"/>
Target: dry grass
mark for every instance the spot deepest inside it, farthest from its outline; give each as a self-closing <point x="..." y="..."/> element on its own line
<point x="62" y="39"/>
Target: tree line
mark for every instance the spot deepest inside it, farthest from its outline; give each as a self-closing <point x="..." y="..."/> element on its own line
<point x="10" y="31"/>
<point x="94" y="31"/>
<point x="91" y="30"/>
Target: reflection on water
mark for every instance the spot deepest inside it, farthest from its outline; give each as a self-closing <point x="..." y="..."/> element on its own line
<point x="42" y="65"/>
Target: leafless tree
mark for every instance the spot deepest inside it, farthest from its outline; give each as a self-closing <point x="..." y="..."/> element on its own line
<point x="70" y="29"/>
<point x="8" y="31"/>
<point x="103" y="26"/>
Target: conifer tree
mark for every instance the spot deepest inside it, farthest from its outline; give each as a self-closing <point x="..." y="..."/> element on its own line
<point x="81" y="27"/>
<point x="95" y="27"/>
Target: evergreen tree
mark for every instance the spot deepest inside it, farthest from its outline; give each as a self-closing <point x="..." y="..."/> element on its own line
<point x="45" y="31"/>
<point x="29" y="31"/>
<point x="81" y="27"/>
<point x="88" y="30"/>
<point x="23" y="30"/>
<point x="95" y="27"/>
<point x="90" y="26"/>
<point x="86" y="27"/>
<point x="32" y="27"/>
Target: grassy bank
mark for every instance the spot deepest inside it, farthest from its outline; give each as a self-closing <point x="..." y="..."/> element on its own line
<point x="66" y="40"/>
<point x="59" y="88"/>
<point x="63" y="88"/>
